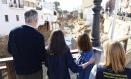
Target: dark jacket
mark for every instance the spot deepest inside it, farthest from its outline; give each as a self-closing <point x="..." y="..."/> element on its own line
<point x="103" y="72"/>
<point x="26" y="45"/>
<point x="58" y="66"/>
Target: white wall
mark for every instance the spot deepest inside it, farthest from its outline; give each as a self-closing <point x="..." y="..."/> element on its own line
<point x="88" y="15"/>
<point x="5" y="27"/>
<point x="48" y="5"/>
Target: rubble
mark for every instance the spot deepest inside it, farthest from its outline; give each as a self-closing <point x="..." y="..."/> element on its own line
<point x="3" y="47"/>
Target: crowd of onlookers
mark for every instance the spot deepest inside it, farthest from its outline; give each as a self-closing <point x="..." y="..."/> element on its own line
<point x="27" y="47"/>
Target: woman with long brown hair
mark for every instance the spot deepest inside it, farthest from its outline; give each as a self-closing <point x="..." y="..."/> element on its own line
<point x="59" y="58"/>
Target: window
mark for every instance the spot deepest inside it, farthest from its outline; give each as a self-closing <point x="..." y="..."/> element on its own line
<point x="17" y="17"/>
<point x="14" y="1"/>
<point x="21" y="3"/>
<point x="6" y="18"/>
<point x="26" y="3"/>
<point x="4" y="1"/>
<point x="31" y="4"/>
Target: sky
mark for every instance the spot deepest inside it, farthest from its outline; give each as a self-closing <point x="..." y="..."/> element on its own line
<point x="72" y="4"/>
<point x="68" y="4"/>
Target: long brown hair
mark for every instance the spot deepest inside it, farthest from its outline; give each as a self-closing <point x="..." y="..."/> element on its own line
<point x="57" y="45"/>
<point x="114" y="56"/>
<point x="83" y="42"/>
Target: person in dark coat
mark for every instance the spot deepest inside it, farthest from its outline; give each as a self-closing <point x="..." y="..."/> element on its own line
<point x="59" y="58"/>
<point x="26" y="45"/>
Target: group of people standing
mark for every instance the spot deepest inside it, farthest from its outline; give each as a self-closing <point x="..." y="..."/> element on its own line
<point x="27" y="47"/>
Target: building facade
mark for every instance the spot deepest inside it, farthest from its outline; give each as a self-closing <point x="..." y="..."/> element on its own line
<point x="87" y="6"/>
<point x="12" y="13"/>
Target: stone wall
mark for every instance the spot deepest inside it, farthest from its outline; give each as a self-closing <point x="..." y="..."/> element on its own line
<point x="121" y="27"/>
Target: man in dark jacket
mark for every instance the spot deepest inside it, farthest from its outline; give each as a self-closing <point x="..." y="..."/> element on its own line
<point x="27" y="47"/>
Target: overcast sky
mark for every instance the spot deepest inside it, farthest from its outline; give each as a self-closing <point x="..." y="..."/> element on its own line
<point x="72" y="4"/>
<point x="68" y="4"/>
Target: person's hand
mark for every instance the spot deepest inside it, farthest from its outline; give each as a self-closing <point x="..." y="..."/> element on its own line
<point x="92" y="60"/>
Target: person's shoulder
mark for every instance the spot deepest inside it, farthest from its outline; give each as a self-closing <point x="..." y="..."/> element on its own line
<point x="16" y="29"/>
<point x="128" y="70"/>
<point x="27" y="27"/>
<point x="101" y="67"/>
<point x="40" y="34"/>
<point x="89" y="52"/>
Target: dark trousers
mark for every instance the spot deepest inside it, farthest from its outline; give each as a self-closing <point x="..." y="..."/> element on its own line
<point x="37" y="75"/>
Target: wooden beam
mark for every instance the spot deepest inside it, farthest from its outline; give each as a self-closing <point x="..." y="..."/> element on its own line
<point x="9" y="66"/>
<point x="10" y="70"/>
<point x="97" y="49"/>
<point x="74" y="51"/>
<point x="2" y="67"/>
<point x="3" y="60"/>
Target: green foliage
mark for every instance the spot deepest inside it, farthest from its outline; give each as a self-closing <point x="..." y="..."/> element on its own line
<point x="57" y="4"/>
<point x="81" y="15"/>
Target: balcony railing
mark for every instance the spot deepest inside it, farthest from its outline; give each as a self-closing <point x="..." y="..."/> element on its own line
<point x="11" y="72"/>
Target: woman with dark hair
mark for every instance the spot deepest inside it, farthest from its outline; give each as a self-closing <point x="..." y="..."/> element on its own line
<point x="59" y="58"/>
<point x="86" y="53"/>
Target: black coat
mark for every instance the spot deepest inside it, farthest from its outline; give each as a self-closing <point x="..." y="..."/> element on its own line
<point x="26" y="45"/>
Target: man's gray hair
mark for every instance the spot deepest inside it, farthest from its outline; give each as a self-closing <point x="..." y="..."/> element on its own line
<point x="30" y="16"/>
